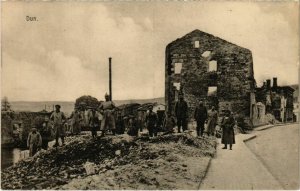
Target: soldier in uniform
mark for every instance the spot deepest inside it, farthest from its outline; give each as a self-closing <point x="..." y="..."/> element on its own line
<point x="46" y="133"/>
<point x="76" y="122"/>
<point x="58" y="119"/>
<point x="34" y="141"/>
<point x="94" y="123"/>
<point x="151" y="120"/>
<point x="181" y="112"/>
<point x="200" y="117"/>
<point x="107" y="110"/>
<point x="227" y="125"/>
<point x="212" y="121"/>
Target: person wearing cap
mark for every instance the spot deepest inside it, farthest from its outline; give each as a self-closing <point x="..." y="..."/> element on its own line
<point x="151" y="121"/>
<point x="107" y="110"/>
<point x="181" y="112"/>
<point x="34" y="141"/>
<point x="200" y="116"/>
<point x="58" y="118"/>
<point x="212" y="121"/>
<point x="46" y="133"/>
<point x="94" y="122"/>
<point x="227" y="125"/>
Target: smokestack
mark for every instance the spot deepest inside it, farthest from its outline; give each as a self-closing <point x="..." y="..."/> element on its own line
<point x="274" y="82"/>
<point x="268" y="83"/>
<point x="264" y="84"/>
<point x="110" y="92"/>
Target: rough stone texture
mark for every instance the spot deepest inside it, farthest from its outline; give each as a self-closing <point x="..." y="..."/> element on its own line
<point x="234" y="77"/>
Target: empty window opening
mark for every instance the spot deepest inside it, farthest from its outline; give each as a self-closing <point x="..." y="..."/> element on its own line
<point x="212" y="66"/>
<point x="197" y="44"/>
<point x="178" y="67"/>
<point x="177" y="85"/>
<point x="206" y="54"/>
<point x="212" y="91"/>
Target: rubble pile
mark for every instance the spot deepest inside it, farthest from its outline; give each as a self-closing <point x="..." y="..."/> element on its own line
<point x="119" y="162"/>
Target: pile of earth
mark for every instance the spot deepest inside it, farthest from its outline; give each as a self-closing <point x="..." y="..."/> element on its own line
<point x="176" y="161"/>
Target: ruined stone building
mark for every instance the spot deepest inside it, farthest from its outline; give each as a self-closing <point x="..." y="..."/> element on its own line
<point x="205" y="67"/>
<point x="278" y="100"/>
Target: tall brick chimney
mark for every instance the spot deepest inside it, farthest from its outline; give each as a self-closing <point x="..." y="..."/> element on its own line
<point x="268" y="83"/>
<point x="274" y="82"/>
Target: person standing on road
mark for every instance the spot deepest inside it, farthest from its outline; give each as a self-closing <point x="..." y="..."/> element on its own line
<point x="227" y="125"/>
<point x="181" y="112"/>
<point x="58" y="119"/>
<point x="200" y="117"/>
<point x="34" y="141"/>
<point x="212" y="121"/>
<point x="151" y="121"/>
<point x="108" y="122"/>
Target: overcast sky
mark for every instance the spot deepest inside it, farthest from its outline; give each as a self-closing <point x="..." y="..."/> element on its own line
<point x="65" y="53"/>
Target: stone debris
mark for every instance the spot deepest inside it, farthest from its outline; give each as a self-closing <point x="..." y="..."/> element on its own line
<point x="108" y="163"/>
<point x="89" y="168"/>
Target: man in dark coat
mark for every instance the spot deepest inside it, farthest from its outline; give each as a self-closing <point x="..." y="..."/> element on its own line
<point x="227" y="125"/>
<point x="133" y="129"/>
<point x="94" y="123"/>
<point x="46" y="133"/>
<point x="181" y="112"/>
<point x="200" y="117"/>
<point x="151" y="121"/>
<point x="120" y="126"/>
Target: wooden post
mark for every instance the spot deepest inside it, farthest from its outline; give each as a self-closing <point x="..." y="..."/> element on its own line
<point x="110" y="84"/>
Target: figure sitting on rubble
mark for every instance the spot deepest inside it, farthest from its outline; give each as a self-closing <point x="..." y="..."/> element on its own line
<point x="151" y="121"/>
<point x="34" y="141"/>
<point x="58" y="119"/>
<point x="107" y="110"/>
<point x="200" y="117"/>
<point x="46" y="133"/>
<point x="169" y="123"/>
<point x="181" y="112"/>
<point x="212" y="121"/>
<point x="94" y="122"/>
<point x="133" y="129"/>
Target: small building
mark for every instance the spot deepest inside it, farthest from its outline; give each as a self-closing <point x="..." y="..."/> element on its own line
<point x="278" y="100"/>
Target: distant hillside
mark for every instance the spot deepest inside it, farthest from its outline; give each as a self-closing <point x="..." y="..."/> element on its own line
<point x="68" y="107"/>
<point x="160" y="100"/>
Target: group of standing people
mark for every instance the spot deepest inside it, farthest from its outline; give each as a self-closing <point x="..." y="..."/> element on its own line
<point x="202" y="116"/>
<point x="40" y="139"/>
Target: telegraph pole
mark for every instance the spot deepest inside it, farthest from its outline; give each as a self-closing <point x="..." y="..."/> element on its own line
<point x="110" y="91"/>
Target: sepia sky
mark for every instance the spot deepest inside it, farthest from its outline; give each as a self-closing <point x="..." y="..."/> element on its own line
<point x="64" y="54"/>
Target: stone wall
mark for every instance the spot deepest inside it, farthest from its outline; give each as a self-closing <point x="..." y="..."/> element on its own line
<point x="233" y="76"/>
